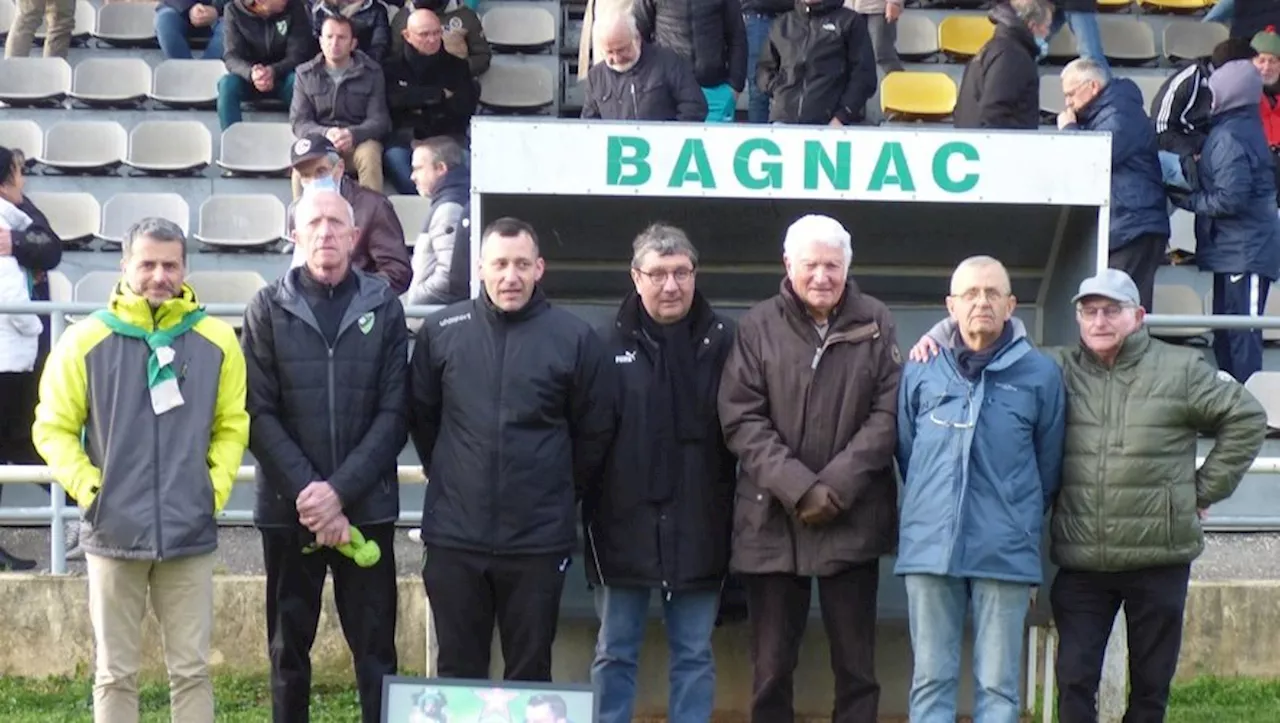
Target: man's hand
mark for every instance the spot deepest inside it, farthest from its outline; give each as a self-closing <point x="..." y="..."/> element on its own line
<point x="202" y="16"/>
<point x="6" y="242"/>
<point x="924" y="350"/>
<point x="1066" y="118"/>
<point x="318" y="505"/>
<point x="455" y="43"/>
<point x="835" y="123"/>
<point x="337" y="532"/>
<point x="264" y="78"/>
<point x="818" y="506"/>
<point x="892" y="12"/>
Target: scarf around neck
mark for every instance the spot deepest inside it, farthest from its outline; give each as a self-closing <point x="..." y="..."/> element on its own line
<point x="674" y="414"/>
<point x="162" y="381"/>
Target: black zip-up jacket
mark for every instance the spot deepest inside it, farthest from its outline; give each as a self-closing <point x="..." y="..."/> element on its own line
<point x="683" y="543"/>
<point x="511" y="416"/>
<point x="1001" y="84"/>
<point x="708" y="33"/>
<point x="321" y="412"/>
<point x="818" y="65"/>
<point x="1181" y="108"/>
<point x="659" y="87"/>
<point x="282" y="41"/>
<point x="38" y="250"/>
<point x="416" y="97"/>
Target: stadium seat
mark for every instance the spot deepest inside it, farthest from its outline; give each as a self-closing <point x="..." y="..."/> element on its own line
<point x="1265" y="387"/>
<point x="516" y="28"/>
<point x="127" y="24"/>
<point x="61" y="289"/>
<point x="962" y="36"/>
<point x="125" y="209"/>
<point x="86" y="19"/>
<point x="1149" y="85"/>
<point x="226" y="287"/>
<point x="255" y="149"/>
<point x="86" y="147"/>
<point x="25" y="135"/>
<point x="1114" y="6"/>
<point x="1062" y="47"/>
<point x="169" y="147"/>
<point x="1272" y="309"/>
<point x="109" y="82"/>
<point x="412" y="212"/>
<point x="516" y="87"/>
<point x="1180" y="300"/>
<point x="1052" y="101"/>
<point x="1191" y="40"/>
<point x="917" y="37"/>
<point x="917" y="96"/>
<point x="72" y="214"/>
<point x="34" y="81"/>
<point x="1183" y="236"/>
<point x="1181" y="7"/>
<point x="95" y="287"/>
<point x="187" y="83"/>
<point x="1127" y="40"/>
<point x="7" y="11"/>
<point x="241" y="221"/>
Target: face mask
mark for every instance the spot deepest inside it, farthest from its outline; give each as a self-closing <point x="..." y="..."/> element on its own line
<point x="325" y="183"/>
<point x="1043" y="47"/>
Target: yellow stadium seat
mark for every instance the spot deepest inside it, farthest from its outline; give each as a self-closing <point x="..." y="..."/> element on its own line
<point x="917" y="95"/>
<point x="1174" y="6"/>
<point x="1114" y="6"/>
<point x="962" y="36"/>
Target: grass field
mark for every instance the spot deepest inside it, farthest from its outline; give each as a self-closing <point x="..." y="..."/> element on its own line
<point x="246" y="700"/>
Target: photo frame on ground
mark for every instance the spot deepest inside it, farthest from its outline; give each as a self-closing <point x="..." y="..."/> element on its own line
<point x="443" y="700"/>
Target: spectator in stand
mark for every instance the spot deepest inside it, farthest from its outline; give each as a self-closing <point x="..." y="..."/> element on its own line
<point x="264" y="41"/>
<point x="818" y="66"/>
<point x="1180" y="111"/>
<point x="430" y="93"/>
<point x="59" y="17"/>
<point x="463" y="33"/>
<point x="639" y="80"/>
<point x="442" y="254"/>
<point x="1082" y="17"/>
<point x="368" y="20"/>
<point x="379" y="248"/>
<point x="709" y="34"/>
<point x="342" y="95"/>
<point x="1001" y="84"/>
<point x="1237" y="231"/>
<point x="757" y="19"/>
<point x="1267" y="61"/>
<point x="882" y="24"/>
<point x="180" y="21"/>
<point x="1139" y="208"/>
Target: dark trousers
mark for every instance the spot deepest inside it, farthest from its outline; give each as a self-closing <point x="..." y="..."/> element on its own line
<point x="366" y="603"/>
<point x="1239" y="351"/>
<point x="1084" y="609"/>
<point x="778" y="609"/>
<point x="469" y="591"/>
<point x="18" y="397"/>
<point x="1139" y="259"/>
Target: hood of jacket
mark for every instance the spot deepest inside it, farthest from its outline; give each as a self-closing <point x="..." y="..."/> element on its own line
<point x="1116" y="94"/>
<point x="1235" y="85"/>
<point x="701" y="316"/>
<point x="1007" y="23"/>
<point x="454" y="185"/>
<point x="136" y="310"/>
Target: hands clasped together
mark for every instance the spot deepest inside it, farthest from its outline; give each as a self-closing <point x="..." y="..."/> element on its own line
<point x="320" y="510"/>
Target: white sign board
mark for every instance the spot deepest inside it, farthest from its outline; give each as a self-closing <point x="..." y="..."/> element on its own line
<point x="576" y="158"/>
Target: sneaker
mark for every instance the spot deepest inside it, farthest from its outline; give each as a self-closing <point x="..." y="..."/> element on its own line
<point x="415" y="535"/>
<point x="71" y="534"/>
<point x="13" y="563"/>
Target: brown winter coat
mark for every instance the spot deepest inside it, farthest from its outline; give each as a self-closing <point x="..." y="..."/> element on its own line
<point x="798" y="410"/>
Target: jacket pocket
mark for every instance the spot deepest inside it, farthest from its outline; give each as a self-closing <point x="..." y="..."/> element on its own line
<point x="753" y="514"/>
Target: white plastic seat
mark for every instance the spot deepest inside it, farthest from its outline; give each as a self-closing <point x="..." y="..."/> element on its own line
<point x="1265" y="387"/>
<point x="24" y="135"/>
<point x="126" y="24"/>
<point x="1052" y="101"/>
<point x="1192" y="40"/>
<point x="1272" y="309"/>
<point x="256" y="148"/>
<point x="86" y="18"/>
<point x="187" y="83"/>
<point x="226" y="287"/>
<point x="73" y="215"/>
<point x="1183" y="233"/>
<point x="241" y="221"/>
<point x="412" y="212"/>
<point x="34" y="81"/>
<point x="1180" y="300"/>
<point x="84" y="146"/>
<point x="7" y="11"/>
<point x="519" y="28"/>
<point x="96" y="286"/>
<point x="1126" y="40"/>
<point x="917" y="37"/>
<point x="1149" y="86"/>
<point x="125" y="209"/>
<point x="169" y="147"/>
<point x="516" y="87"/>
<point x="61" y="290"/>
<point x="111" y="81"/>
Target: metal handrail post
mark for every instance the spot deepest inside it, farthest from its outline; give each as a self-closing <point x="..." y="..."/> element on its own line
<point x="57" y="497"/>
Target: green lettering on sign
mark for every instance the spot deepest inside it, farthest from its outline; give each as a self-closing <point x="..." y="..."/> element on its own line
<point x="627" y="165"/>
<point x="771" y="171"/>
<point x="836" y="171"/>
<point x="692" y="153"/>
<point x="891" y="169"/>
<point x="942" y="160"/>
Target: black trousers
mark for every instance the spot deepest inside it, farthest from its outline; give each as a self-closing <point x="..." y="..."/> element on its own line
<point x="469" y="591"/>
<point x="778" y="610"/>
<point x="366" y="602"/>
<point x="18" y="397"/>
<point x="1239" y="351"/>
<point x="1139" y="259"/>
<point x="1084" y="609"/>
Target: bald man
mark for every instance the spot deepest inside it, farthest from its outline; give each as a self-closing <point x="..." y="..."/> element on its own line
<point x="637" y="80"/>
<point x="430" y="93"/>
<point x="326" y="354"/>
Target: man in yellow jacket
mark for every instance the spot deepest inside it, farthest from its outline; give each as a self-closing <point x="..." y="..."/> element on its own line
<point x="142" y="419"/>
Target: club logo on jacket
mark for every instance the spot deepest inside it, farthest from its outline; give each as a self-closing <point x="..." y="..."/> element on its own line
<point x="366" y="323"/>
<point x="454" y="319"/>
<point x="625" y="357"/>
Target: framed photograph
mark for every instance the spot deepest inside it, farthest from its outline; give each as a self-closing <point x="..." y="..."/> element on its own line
<point x="443" y="700"/>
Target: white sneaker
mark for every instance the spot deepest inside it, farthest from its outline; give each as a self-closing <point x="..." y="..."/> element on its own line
<point x="416" y="535"/>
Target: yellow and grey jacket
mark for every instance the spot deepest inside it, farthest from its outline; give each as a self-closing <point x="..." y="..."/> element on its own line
<point x="149" y="484"/>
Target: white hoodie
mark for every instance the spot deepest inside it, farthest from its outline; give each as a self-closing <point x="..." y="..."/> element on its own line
<point x="19" y="333"/>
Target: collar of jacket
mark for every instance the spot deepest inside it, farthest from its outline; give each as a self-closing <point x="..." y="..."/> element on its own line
<point x="455" y="181"/>
<point x="702" y="317"/>
<point x="360" y="65"/>
<point x="370" y="292"/>
<point x="332" y="10"/>
<point x="848" y="312"/>
<point x="136" y="310"/>
<point x="819" y="8"/>
<point x="1132" y="350"/>
<point x="1013" y="350"/>
<point x="536" y="305"/>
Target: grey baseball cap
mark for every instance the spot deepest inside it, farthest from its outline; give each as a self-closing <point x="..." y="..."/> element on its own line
<point x="1111" y="284"/>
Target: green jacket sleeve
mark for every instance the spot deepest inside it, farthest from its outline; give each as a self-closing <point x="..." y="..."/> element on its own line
<point x="1238" y="423"/>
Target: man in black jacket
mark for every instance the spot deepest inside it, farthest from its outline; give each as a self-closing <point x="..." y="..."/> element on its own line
<point x="638" y="80"/>
<point x="511" y="418"/>
<point x="661" y="519"/>
<point x="818" y="67"/>
<point x="263" y="42"/>
<point x="1001" y="84"/>
<point x="711" y="36"/>
<point x="326" y="356"/>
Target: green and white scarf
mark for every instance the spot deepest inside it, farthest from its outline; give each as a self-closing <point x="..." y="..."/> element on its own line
<point x="162" y="381"/>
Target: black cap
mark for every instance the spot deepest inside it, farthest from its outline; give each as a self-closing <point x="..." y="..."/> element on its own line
<point x="309" y="148"/>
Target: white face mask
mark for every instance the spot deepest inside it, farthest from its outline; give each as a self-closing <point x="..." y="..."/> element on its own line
<point x="324" y="183"/>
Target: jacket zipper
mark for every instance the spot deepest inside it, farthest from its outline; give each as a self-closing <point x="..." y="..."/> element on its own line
<point x="495" y="485"/>
<point x="333" y="406"/>
<point x="1102" y="474"/>
<point x="804" y="82"/>
<point x="156" y="467"/>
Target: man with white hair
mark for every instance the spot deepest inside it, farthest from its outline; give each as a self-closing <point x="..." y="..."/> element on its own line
<point x="808" y="402"/>
<point x="639" y="80"/>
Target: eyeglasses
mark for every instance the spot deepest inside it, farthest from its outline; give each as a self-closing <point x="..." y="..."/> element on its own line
<point x="659" y="278"/>
<point x="1110" y="312"/>
<point x="968" y="403"/>
<point x="972" y="295"/>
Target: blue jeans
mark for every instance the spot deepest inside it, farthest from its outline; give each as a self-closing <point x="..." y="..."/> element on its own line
<point x="1223" y="12"/>
<point x="397" y="163"/>
<point x="1088" y="38"/>
<point x="173" y="28"/>
<point x="690" y="618"/>
<point x="234" y="90"/>
<point x="936" y="608"/>
<point x="757" y="38"/>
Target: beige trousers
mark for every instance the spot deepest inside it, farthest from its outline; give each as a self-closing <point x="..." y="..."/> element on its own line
<point x="181" y="594"/>
<point x="365" y="159"/>
<point x="60" y="20"/>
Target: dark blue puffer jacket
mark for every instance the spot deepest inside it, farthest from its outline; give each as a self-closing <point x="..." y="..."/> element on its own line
<point x="1138" y="202"/>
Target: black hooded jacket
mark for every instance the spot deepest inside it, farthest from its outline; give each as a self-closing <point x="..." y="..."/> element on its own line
<point x="818" y="65"/>
<point x="1001" y="85"/>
